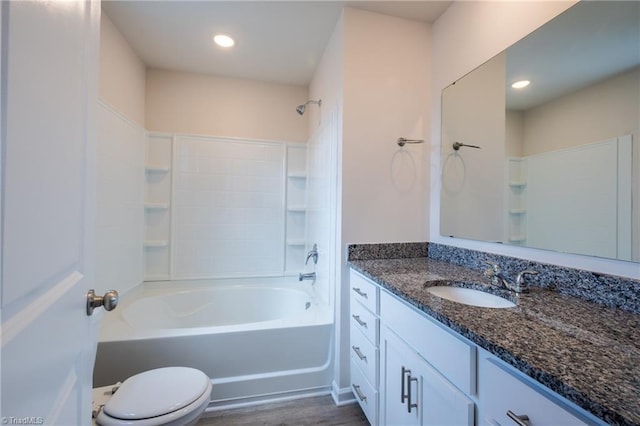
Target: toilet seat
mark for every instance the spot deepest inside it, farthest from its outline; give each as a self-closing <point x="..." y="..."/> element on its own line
<point x="158" y="397"/>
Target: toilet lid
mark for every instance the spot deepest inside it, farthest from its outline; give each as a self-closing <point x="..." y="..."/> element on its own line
<point x="156" y="393"/>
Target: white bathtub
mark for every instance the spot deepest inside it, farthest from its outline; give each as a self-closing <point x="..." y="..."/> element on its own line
<point x="256" y="338"/>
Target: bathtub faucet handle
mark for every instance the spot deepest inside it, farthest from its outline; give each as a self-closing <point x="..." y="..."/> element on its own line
<point x="313" y="254"/>
<point x="309" y="276"/>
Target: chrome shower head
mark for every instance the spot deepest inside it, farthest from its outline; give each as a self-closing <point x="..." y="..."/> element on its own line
<point x="302" y="107"/>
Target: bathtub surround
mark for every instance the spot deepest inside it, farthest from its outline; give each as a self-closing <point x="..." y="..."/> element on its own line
<point x="584" y="351"/>
<point x="119" y="201"/>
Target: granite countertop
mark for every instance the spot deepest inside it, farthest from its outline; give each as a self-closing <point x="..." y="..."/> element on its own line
<point x="586" y="352"/>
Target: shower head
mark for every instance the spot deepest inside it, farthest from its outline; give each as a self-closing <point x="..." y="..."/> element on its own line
<point x="302" y="107"/>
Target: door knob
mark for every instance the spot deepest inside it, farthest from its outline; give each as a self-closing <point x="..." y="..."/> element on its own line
<point x="109" y="301"/>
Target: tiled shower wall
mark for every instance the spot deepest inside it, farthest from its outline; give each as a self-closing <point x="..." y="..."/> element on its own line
<point x="228" y="205"/>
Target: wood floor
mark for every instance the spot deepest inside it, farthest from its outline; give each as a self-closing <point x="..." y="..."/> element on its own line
<point x="320" y="410"/>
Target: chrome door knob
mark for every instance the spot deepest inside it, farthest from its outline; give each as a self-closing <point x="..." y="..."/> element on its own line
<point x="109" y="301"/>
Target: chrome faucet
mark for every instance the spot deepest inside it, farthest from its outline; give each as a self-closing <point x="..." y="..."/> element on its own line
<point x="309" y="276"/>
<point x="499" y="279"/>
<point x="313" y="254"/>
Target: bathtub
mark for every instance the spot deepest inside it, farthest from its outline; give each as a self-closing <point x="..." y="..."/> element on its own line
<point x="258" y="339"/>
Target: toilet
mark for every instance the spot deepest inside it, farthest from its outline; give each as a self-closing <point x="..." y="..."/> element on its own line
<point x="164" y="396"/>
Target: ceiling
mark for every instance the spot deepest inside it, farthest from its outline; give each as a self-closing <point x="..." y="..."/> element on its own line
<point x="276" y="41"/>
<point x="590" y="42"/>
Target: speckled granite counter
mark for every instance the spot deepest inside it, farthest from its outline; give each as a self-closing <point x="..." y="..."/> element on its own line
<point x="588" y="353"/>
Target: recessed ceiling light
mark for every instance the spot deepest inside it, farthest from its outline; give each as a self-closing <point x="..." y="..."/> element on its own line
<point x="223" y="40"/>
<point x="520" y="84"/>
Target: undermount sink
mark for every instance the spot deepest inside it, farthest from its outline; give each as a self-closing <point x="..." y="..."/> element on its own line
<point x="471" y="297"/>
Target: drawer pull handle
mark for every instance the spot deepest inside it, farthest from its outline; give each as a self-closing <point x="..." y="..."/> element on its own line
<point x="360" y="354"/>
<point x="360" y="292"/>
<point x="410" y="405"/>
<point x="521" y="420"/>
<point x="403" y="373"/>
<point x="359" y="321"/>
<point x="359" y="393"/>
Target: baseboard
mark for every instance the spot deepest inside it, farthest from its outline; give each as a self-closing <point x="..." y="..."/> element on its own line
<point x="266" y="399"/>
<point x="342" y="396"/>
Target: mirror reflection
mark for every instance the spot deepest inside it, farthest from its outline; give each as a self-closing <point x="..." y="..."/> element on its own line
<point x="553" y="164"/>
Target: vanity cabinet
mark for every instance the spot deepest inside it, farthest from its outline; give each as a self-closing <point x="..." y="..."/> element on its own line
<point x="409" y="369"/>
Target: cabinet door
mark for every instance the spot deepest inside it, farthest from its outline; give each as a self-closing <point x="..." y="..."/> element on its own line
<point x="443" y="404"/>
<point x="414" y="393"/>
<point x="401" y="382"/>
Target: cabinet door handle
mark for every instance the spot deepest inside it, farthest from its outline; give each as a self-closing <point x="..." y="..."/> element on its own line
<point x="410" y="405"/>
<point x="521" y="420"/>
<point x="359" y="321"/>
<point x="360" y="292"/>
<point x="359" y="353"/>
<point x="403" y="373"/>
<point x="359" y="393"/>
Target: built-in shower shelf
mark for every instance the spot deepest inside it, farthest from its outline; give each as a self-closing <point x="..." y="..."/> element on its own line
<point x="517" y="183"/>
<point x="156" y="206"/>
<point x="300" y="209"/>
<point x="156" y="243"/>
<point x="295" y="242"/>
<point x="517" y="211"/>
<point x="156" y="169"/>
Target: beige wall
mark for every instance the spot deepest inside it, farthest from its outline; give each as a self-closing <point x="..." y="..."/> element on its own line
<point x="122" y="73"/>
<point x="464" y="37"/>
<point x="602" y="111"/>
<point x="386" y="96"/>
<point x="181" y="102"/>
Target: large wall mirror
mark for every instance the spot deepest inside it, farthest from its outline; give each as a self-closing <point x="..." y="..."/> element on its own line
<point x="555" y="164"/>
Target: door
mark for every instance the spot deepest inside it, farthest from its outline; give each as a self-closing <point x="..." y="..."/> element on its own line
<point x="49" y="95"/>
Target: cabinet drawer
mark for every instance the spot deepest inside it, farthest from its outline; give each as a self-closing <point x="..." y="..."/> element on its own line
<point x="363" y="320"/>
<point x="364" y="291"/>
<point x="449" y="354"/>
<point x="364" y="354"/>
<point x="502" y="390"/>
<point x="365" y="394"/>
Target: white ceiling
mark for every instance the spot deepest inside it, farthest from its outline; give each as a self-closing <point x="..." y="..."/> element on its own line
<point x="276" y="41"/>
<point x="590" y="42"/>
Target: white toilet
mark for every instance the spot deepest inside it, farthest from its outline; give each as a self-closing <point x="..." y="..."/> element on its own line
<point x="164" y="396"/>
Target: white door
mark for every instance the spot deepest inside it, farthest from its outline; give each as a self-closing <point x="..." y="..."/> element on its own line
<point x="49" y="94"/>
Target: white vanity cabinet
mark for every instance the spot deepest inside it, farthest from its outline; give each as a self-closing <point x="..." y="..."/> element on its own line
<point x="364" y="344"/>
<point x="409" y="369"/>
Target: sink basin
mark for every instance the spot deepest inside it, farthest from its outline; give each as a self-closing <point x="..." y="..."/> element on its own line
<point x="471" y="297"/>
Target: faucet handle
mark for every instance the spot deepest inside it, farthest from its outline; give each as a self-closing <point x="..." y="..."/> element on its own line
<point x="313" y="254"/>
<point x="521" y="275"/>
<point x="493" y="271"/>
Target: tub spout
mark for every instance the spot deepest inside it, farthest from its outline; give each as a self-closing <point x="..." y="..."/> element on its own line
<point x="309" y="276"/>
